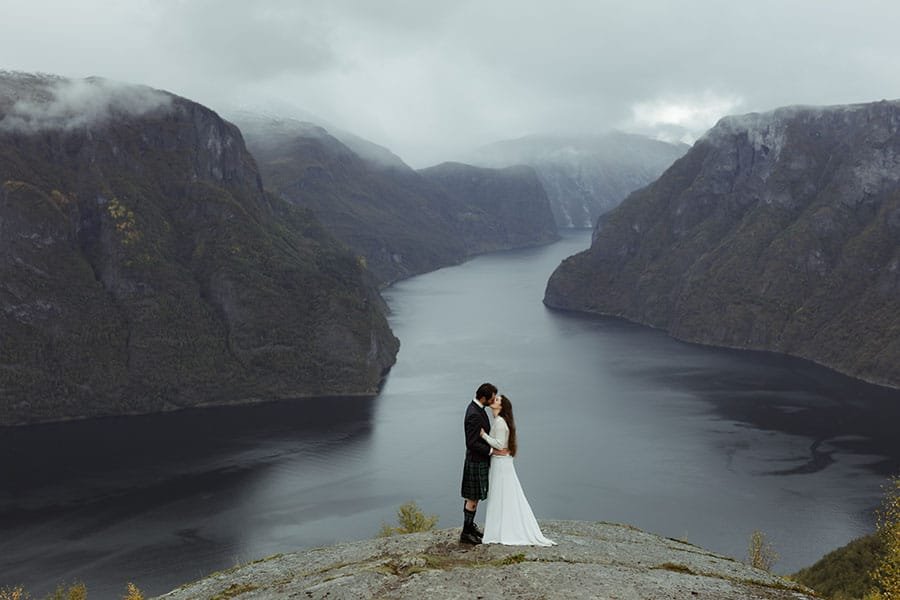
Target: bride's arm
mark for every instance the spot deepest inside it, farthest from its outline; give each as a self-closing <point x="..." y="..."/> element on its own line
<point x="502" y="434"/>
<point x="492" y="441"/>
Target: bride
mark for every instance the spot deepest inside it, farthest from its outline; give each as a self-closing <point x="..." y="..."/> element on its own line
<point x="508" y="519"/>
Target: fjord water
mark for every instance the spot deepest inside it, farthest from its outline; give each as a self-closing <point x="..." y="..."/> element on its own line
<point x="616" y="422"/>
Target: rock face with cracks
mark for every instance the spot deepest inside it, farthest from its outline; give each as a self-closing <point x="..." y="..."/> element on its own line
<point x="591" y="560"/>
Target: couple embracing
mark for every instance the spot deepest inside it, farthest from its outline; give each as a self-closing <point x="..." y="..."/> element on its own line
<point x="489" y="474"/>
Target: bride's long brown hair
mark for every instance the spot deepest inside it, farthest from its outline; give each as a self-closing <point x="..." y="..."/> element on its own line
<point x="507" y="414"/>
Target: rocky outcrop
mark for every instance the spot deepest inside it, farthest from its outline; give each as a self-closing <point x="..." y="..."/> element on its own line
<point x="395" y="219"/>
<point x="144" y="268"/>
<point x="777" y="231"/>
<point x="585" y="176"/>
<point x="592" y="560"/>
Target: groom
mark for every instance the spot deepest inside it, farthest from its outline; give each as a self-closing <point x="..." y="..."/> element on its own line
<point x="478" y="460"/>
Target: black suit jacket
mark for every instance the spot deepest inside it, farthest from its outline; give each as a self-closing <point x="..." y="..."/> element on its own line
<point x="477" y="449"/>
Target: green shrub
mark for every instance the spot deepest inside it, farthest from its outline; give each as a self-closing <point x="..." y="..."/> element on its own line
<point x="761" y="554"/>
<point x="77" y="591"/>
<point x="411" y="519"/>
<point x="16" y="593"/>
<point x="133" y="593"/>
<point x="886" y="573"/>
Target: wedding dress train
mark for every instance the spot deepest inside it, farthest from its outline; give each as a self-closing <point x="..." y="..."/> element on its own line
<point x="508" y="519"/>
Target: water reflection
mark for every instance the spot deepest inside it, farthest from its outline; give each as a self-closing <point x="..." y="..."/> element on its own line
<point x="776" y="393"/>
<point x="761" y="391"/>
<point x="168" y="498"/>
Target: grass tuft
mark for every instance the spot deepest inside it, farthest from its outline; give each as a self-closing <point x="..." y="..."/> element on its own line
<point x="677" y="568"/>
<point x="235" y="589"/>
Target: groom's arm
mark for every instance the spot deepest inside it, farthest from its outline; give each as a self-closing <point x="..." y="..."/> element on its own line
<point x="474" y="442"/>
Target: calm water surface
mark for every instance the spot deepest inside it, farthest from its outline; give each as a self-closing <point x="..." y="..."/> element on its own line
<point x="616" y="423"/>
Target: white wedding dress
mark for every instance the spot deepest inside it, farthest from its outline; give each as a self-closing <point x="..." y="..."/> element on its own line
<point x="508" y="519"/>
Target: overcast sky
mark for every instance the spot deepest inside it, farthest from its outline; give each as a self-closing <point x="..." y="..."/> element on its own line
<point x="431" y="80"/>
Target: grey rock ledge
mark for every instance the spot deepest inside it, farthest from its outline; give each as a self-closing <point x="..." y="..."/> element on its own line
<point x="592" y="560"/>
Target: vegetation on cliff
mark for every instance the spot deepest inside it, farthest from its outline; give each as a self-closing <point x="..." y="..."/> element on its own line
<point x="144" y="268"/>
<point x="844" y="573"/>
<point x="887" y="570"/>
<point x="868" y="568"/>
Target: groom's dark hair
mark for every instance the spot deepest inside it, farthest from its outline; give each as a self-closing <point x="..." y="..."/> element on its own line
<point x="485" y="390"/>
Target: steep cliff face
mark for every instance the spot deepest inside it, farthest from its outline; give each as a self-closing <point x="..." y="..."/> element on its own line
<point x="777" y="231"/>
<point x="143" y="267"/>
<point x="585" y="176"/>
<point x="399" y="221"/>
<point x="496" y="208"/>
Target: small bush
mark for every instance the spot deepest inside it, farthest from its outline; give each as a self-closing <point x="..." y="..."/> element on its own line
<point x="133" y="593"/>
<point x="411" y="519"/>
<point x="886" y="573"/>
<point x="77" y="591"/>
<point x="761" y="553"/>
<point x="16" y="593"/>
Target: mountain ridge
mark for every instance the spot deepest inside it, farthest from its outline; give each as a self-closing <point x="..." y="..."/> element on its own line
<point x="396" y="219"/>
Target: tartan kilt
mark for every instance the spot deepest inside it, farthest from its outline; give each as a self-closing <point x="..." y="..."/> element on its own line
<point x="475" y="479"/>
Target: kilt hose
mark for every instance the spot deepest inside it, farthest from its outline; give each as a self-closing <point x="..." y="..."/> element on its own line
<point x="475" y="479"/>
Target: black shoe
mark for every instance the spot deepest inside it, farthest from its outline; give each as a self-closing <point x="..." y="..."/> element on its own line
<point x="476" y="532"/>
<point x="469" y="538"/>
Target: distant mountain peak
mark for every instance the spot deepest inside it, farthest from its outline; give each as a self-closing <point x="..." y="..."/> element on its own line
<point x="264" y="122"/>
<point x="584" y="175"/>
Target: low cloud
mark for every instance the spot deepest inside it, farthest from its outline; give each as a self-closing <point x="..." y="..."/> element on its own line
<point x="431" y="80"/>
<point x="681" y="118"/>
<point x="39" y="103"/>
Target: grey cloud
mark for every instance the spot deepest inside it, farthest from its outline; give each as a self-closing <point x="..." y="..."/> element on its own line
<point x="433" y="79"/>
<point x="243" y="42"/>
<point x="36" y="103"/>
